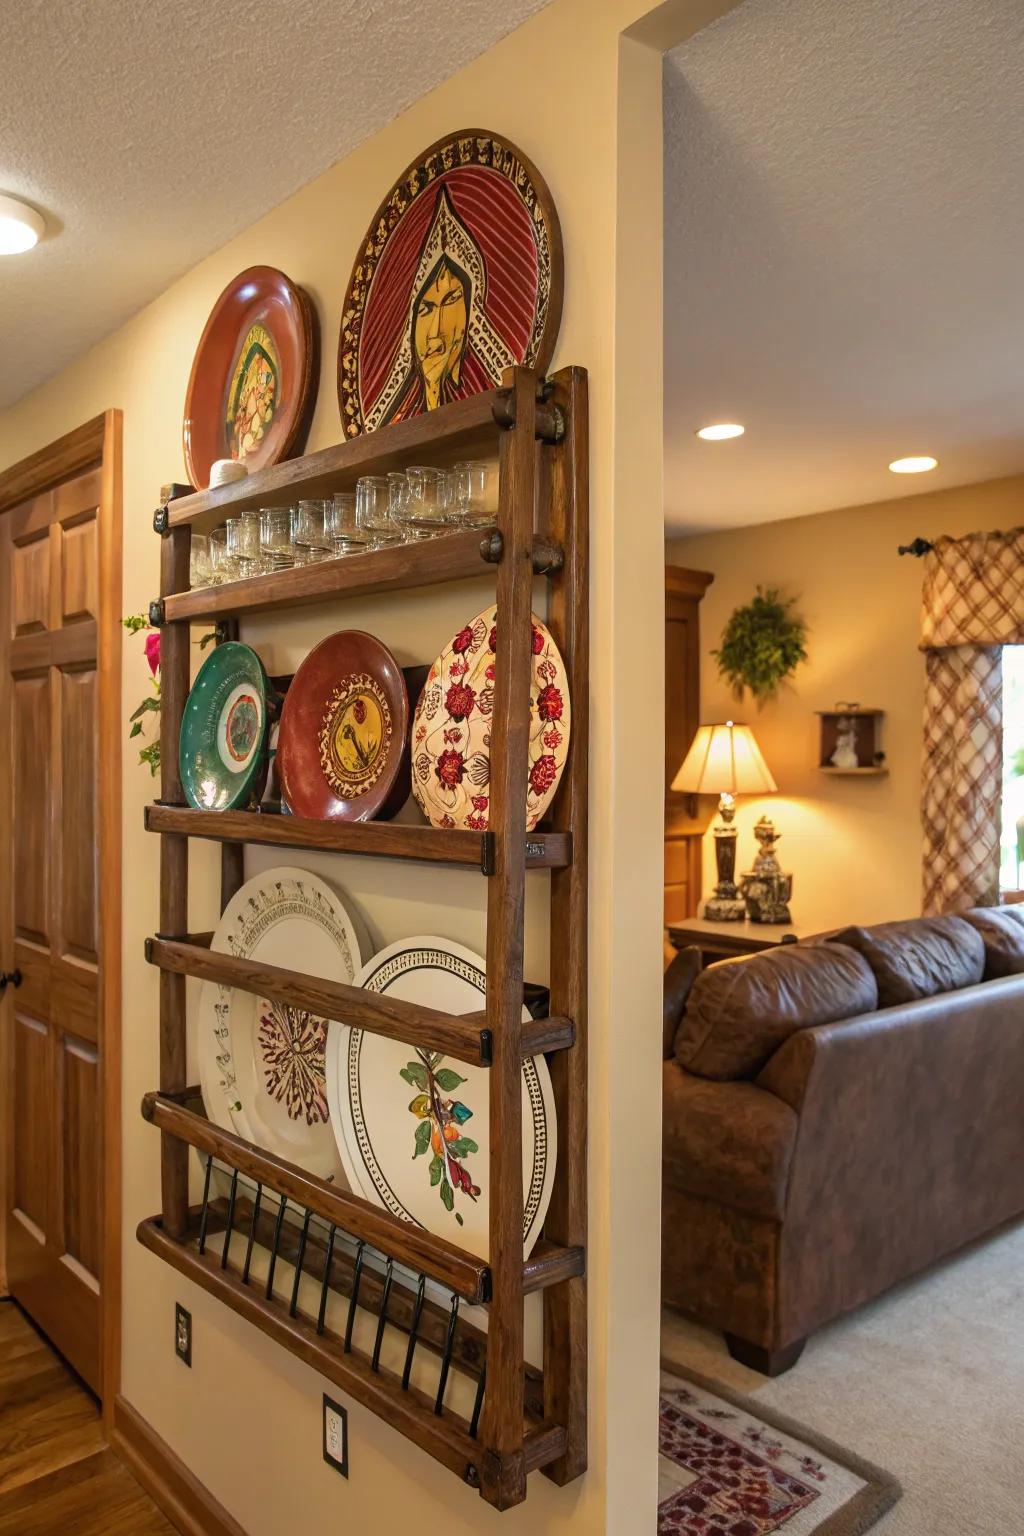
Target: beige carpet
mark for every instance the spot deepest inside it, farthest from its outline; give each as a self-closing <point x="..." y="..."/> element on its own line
<point x="928" y="1382"/>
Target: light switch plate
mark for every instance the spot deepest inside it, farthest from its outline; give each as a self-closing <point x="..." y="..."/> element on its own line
<point x="183" y="1334"/>
<point x="336" y="1436"/>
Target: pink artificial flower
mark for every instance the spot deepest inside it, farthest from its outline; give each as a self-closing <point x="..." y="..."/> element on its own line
<point x="153" y="650"/>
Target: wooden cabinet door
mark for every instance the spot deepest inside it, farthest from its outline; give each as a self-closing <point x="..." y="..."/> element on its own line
<point x="49" y="569"/>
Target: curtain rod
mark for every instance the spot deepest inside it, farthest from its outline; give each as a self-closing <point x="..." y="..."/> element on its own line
<point x="918" y="548"/>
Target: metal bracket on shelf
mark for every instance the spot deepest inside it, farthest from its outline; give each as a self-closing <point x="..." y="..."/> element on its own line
<point x="549" y="423"/>
<point x="161" y="521"/>
<point x="157" y="612"/>
<point x="486" y="1048"/>
<point x="547" y="558"/>
<point x="487" y="853"/>
<point x="492" y="548"/>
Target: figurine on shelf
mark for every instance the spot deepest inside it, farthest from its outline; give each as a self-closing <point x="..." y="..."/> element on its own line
<point x="845" y="754"/>
<point x="766" y="890"/>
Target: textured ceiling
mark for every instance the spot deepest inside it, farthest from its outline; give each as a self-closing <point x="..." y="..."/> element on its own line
<point x="843" y="263"/>
<point x="149" y="135"/>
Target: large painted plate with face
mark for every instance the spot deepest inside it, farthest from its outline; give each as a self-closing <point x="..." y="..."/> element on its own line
<point x="262" y="1065"/>
<point x="412" y="1125"/>
<point x="252" y="387"/>
<point x="222" y="748"/>
<point x="451" y="728"/>
<point x="459" y="277"/>
<point x="344" y="728"/>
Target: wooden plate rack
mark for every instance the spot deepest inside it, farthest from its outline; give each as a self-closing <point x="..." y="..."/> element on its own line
<point x="523" y="1419"/>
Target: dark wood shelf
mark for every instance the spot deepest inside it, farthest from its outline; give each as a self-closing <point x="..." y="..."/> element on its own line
<point x="463" y="429"/>
<point x="374" y="839"/>
<point x="428" y="562"/>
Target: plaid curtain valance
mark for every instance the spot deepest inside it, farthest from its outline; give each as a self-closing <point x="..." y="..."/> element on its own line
<point x="974" y="591"/>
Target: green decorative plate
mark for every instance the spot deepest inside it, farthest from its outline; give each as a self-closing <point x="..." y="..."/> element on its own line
<point x="223" y="748"/>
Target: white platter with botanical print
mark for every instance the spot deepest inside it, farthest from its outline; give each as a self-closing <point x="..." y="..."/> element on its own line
<point x="451" y="730"/>
<point x="413" y="1125"/>
<point x="262" y="1065"/>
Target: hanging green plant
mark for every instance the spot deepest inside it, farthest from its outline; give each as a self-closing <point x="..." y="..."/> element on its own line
<point x="762" y="645"/>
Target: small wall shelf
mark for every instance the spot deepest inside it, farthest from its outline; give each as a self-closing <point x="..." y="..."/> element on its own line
<point x="524" y="1418"/>
<point x="851" y="730"/>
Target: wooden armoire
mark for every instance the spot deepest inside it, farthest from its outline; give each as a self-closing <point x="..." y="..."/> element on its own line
<point x="686" y="818"/>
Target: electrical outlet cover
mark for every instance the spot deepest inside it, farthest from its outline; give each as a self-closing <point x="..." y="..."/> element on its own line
<point x="336" y="1436"/>
<point x="183" y="1334"/>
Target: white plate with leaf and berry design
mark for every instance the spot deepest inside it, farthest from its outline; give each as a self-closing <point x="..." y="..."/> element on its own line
<point x="451" y="730"/>
<point x="263" y="1065"/>
<point x="413" y="1125"/>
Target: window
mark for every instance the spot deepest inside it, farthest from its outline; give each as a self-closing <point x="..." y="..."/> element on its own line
<point x="1011" y="838"/>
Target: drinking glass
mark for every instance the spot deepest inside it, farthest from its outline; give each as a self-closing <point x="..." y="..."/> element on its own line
<point x="428" y="503"/>
<point x="309" y="541"/>
<point x="476" y="499"/>
<point x="398" y="500"/>
<point x="199" y="561"/>
<point x="343" y="532"/>
<point x="221" y="564"/>
<point x="373" y="511"/>
<point x="276" y="552"/>
<point x="244" y="544"/>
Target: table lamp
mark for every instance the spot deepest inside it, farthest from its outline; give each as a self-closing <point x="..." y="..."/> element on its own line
<point x="724" y="760"/>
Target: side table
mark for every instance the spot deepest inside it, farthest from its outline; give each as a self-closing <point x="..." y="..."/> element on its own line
<point x="721" y="941"/>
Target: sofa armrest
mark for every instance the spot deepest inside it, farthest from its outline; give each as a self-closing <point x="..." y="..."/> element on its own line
<point x="679" y="978"/>
<point x="909" y="1143"/>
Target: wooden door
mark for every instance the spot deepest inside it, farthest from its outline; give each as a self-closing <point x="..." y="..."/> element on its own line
<point x="685" y="821"/>
<point x="59" y="691"/>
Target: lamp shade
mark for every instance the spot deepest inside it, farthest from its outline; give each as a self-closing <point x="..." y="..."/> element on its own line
<point x="724" y="759"/>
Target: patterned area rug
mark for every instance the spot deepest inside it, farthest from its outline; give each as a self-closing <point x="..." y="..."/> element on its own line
<point x="728" y="1468"/>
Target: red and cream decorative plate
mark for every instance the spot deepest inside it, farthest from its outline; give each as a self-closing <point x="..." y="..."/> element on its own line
<point x="344" y="726"/>
<point x="459" y="277"/>
<point x="451" y="729"/>
<point x="252" y="386"/>
<point x="262" y="1065"/>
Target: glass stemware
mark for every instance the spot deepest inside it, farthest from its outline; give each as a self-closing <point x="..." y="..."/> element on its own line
<point x="221" y="563"/>
<point x="276" y="553"/>
<point x="476" y="500"/>
<point x="244" y="544"/>
<point x="426" y="511"/>
<point x="199" y="574"/>
<point x="309" y="541"/>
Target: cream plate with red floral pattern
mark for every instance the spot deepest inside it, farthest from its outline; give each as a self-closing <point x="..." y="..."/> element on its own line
<point x="262" y="1065"/>
<point x="451" y="730"/>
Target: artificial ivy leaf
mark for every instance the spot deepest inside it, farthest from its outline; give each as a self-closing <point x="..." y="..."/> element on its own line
<point x="460" y="1113"/>
<point x="136" y="730"/>
<point x="459" y="1219"/>
<point x="447" y="1195"/>
<point x="447" y="1079"/>
<point x="415" y="1075"/>
<point x="420" y="1106"/>
<point x="436" y="1170"/>
<point x="422" y="1138"/>
<point x="152" y="706"/>
<point x="463" y="1147"/>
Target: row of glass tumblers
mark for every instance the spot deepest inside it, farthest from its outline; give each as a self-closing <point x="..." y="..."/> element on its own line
<point x="418" y="503"/>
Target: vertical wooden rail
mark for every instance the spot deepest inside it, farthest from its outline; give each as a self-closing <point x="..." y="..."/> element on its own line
<point x="174" y="683"/>
<point x="565" y="1306"/>
<point x="503" y="1478"/>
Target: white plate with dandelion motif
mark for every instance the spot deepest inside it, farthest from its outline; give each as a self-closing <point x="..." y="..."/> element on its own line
<point x="451" y="729"/>
<point x="413" y="1125"/>
<point x="263" y="1065"/>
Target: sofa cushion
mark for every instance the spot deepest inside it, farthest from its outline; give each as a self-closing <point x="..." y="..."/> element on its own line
<point x="919" y="957"/>
<point x="679" y="978"/>
<point x="727" y="1142"/>
<point x="1002" y="933"/>
<point x="740" y="1011"/>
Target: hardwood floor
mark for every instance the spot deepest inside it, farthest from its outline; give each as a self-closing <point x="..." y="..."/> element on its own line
<point x="56" y="1474"/>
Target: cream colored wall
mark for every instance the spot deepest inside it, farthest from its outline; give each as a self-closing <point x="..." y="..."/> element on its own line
<point x="853" y="845"/>
<point x="246" y="1419"/>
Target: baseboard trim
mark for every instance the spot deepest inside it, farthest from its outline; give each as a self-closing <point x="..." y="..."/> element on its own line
<point x="186" y="1503"/>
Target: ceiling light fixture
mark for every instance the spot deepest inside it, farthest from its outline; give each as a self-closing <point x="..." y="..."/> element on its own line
<point x="720" y="431"/>
<point x="916" y="464"/>
<point x="21" y="227"/>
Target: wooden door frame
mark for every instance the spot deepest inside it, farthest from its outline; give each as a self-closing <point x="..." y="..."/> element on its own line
<point x="97" y="442"/>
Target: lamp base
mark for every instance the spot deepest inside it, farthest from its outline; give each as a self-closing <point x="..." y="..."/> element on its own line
<point x="725" y="909"/>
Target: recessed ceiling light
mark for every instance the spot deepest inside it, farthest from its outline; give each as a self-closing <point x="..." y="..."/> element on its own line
<point x="917" y="464"/>
<point x="719" y="431"/>
<point x="20" y="227"/>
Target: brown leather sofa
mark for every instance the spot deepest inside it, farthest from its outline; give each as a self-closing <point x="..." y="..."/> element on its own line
<point x="838" y="1114"/>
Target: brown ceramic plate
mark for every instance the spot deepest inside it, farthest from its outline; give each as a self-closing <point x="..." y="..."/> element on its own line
<point x="344" y="731"/>
<point x="252" y="386"/>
